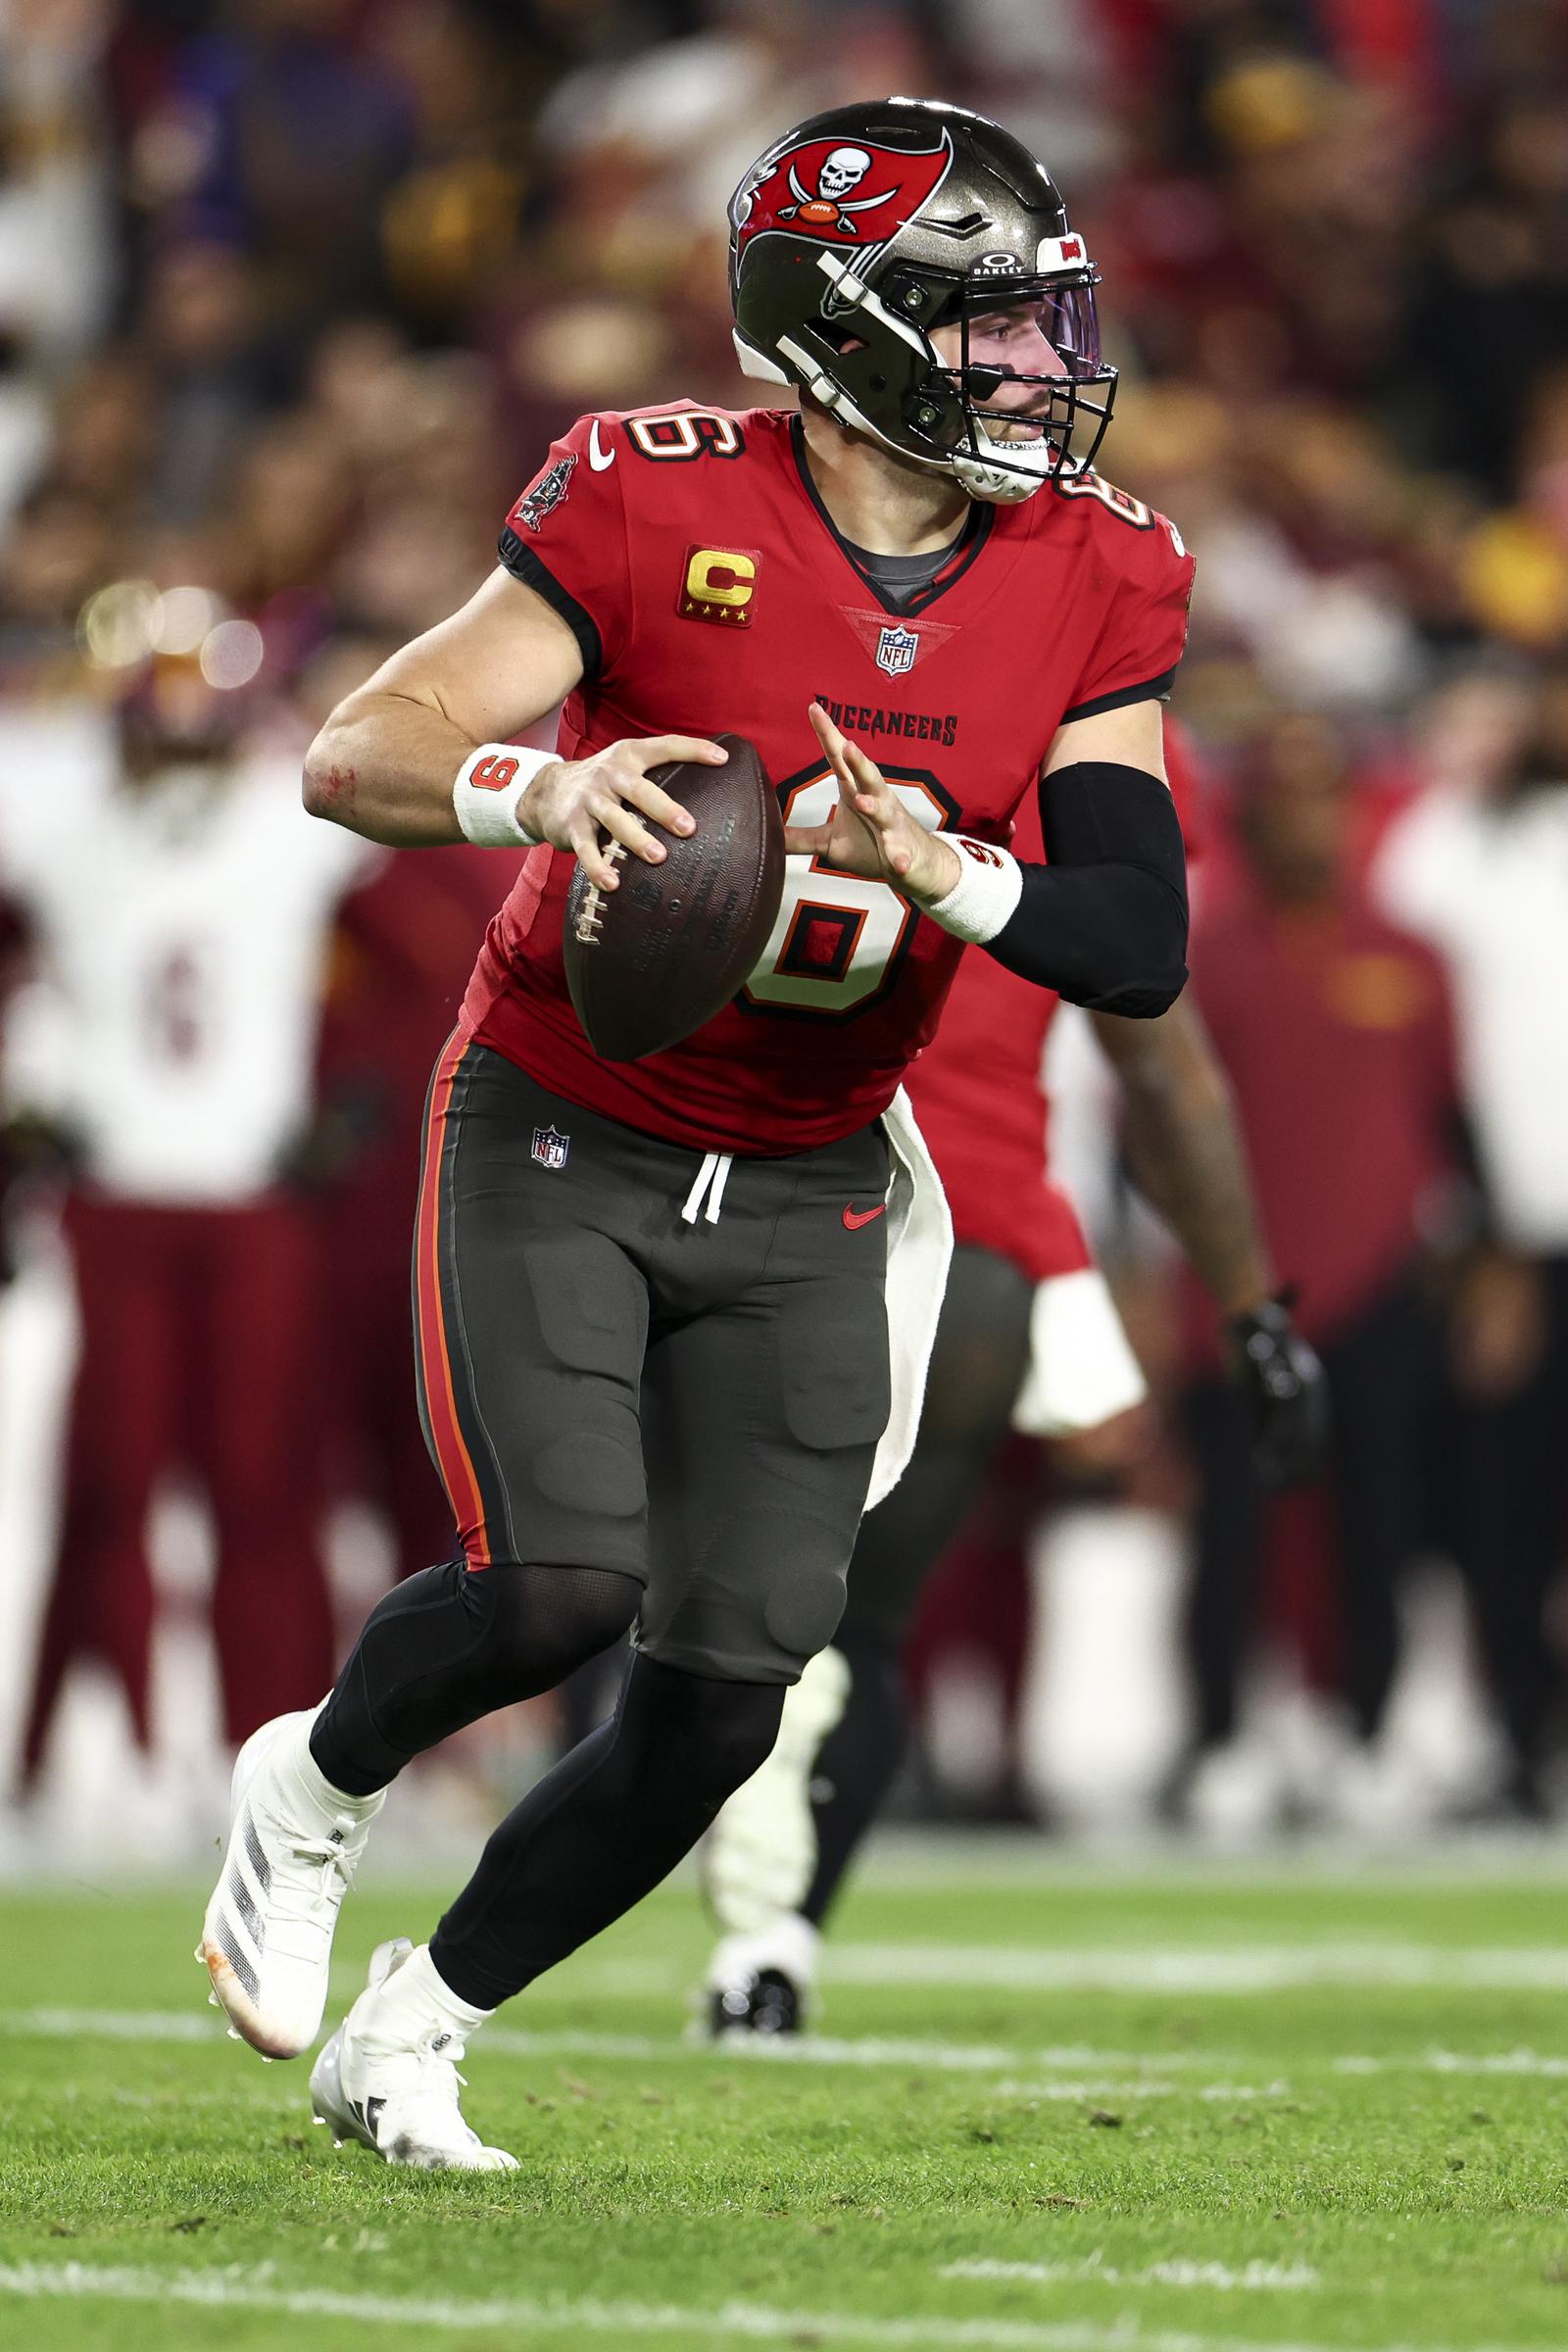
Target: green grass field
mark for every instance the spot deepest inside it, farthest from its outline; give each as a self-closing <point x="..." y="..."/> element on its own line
<point x="1047" y="2114"/>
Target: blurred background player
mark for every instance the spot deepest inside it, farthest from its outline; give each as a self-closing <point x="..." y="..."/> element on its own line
<point x="178" y="922"/>
<point x="1478" y="865"/>
<point x="1029" y="1336"/>
<point x="1332" y="1022"/>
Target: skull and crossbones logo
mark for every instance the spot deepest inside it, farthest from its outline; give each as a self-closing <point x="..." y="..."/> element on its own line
<point x="831" y="207"/>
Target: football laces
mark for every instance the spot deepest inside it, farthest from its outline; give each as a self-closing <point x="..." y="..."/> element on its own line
<point x="591" y="913"/>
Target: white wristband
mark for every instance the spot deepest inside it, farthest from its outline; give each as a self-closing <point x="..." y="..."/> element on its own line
<point x="984" y="898"/>
<point x="489" y="784"/>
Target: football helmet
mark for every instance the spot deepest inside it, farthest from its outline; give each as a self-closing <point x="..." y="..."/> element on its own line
<point x="867" y="227"/>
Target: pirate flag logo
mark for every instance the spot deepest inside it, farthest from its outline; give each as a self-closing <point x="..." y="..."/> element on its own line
<point x="859" y="195"/>
<point x="545" y="496"/>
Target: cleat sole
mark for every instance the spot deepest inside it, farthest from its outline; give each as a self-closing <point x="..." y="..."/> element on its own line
<point x="244" y="2025"/>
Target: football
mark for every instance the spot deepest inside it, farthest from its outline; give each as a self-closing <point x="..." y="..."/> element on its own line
<point x="651" y="962"/>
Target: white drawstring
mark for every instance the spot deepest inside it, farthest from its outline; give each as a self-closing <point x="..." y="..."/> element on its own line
<point x="711" y="1178"/>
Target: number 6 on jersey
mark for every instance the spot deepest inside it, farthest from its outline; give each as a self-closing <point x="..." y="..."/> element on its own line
<point x="839" y="938"/>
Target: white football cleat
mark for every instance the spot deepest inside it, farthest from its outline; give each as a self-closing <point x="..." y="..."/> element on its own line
<point x="389" y="2077"/>
<point x="762" y="1982"/>
<point x="294" y="1844"/>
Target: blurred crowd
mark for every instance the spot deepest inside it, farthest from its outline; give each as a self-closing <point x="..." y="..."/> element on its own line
<point x="293" y="293"/>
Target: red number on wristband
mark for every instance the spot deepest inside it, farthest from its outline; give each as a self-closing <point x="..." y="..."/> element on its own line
<point x="494" y="772"/>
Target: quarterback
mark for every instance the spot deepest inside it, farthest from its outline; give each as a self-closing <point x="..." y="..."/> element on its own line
<point x="673" y="1316"/>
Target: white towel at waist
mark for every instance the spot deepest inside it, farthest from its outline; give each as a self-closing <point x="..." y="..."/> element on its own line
<point x="919" y="1251"/>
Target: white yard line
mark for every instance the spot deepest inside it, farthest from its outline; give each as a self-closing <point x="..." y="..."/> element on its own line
<point x="236" y="2289"/>
<point x="806" y="2049"/>
<point x="110" y="2025"/>
<point x="1201" y="1969"/>
<point x="1133" y="2086"/>
<point x="1122" y="2072"/>
<point x="1093" y="2270"/>
<point x="1239" y="1968"/>
<point x="1454" y="2062"/>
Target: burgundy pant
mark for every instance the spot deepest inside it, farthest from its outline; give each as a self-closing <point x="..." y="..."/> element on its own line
<point x="197" y="1354"/>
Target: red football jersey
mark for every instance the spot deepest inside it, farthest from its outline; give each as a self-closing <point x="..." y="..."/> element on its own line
<point x="689" y="551"/>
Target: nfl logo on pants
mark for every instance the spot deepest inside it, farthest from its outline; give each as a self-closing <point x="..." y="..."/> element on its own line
<point x="895" y="650"/>
<point x="550" y="1147"/>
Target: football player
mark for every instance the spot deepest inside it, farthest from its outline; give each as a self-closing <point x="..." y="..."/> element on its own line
<point x="673" y="1316"/>
<point x="167" y="1047"/>
<point x="1029" y="1334"/>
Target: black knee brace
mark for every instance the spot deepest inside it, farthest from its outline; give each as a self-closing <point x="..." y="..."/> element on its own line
<point x="452" y="1643"/>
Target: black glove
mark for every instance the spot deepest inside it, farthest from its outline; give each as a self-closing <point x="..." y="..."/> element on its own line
<point x="1282" y="1382"/>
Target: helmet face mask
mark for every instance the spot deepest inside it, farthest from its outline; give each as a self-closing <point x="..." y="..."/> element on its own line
<point x="1029" y="380"/>
<point x="928" y="294"/>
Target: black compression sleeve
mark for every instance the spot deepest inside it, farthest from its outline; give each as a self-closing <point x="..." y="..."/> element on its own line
<point x="1105" y="922"/>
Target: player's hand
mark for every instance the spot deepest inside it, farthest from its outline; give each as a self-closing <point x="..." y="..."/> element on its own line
<point x="871" y="832"/>
<point x="570" y="803"/>
<point x="1282" y="1382"/>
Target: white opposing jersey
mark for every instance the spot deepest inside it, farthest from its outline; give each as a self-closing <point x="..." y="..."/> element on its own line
<point x="181" y="927"/>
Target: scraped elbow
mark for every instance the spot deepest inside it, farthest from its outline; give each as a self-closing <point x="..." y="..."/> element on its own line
<point x="328" y="782"/>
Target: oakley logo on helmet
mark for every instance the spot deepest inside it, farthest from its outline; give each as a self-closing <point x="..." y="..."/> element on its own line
<point x="995" y="265"/>
<point x="810" y="191"/>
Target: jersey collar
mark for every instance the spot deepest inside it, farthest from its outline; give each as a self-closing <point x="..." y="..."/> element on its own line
<point x="976" y="532"/>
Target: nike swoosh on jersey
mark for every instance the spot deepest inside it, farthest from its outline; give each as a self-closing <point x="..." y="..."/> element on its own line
<point x="855" y="1218"/>
<point x="598" y="457"/>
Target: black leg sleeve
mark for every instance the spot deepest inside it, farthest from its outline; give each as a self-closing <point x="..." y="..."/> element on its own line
<point x="452" y="1643"/>
<point x="858" y="1764"/>
<point x="601" y="1830"/>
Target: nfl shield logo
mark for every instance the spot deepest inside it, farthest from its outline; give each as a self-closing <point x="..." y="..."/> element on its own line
<point x="895" y="650"/>
<point x="550" y="1147"/>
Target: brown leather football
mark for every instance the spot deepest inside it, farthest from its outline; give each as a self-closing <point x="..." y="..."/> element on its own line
<point x="650" y="962"/>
